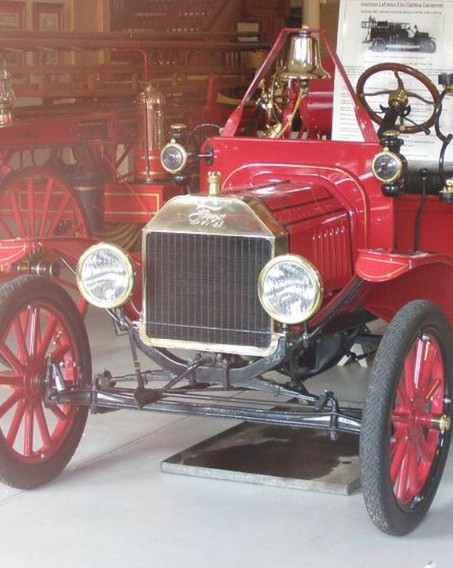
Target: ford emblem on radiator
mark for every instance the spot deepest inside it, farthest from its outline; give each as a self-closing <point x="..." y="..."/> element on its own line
<point x="207" y="216"/>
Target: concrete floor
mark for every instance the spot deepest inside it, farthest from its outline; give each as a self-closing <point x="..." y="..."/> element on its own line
<point x="113" y="507"/>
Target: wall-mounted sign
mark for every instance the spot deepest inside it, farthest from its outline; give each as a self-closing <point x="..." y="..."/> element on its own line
<point x="417" y="34"/>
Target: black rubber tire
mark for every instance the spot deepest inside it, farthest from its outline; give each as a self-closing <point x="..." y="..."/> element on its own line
<point x="15" y="469"/>
<point x="416" y="318"/>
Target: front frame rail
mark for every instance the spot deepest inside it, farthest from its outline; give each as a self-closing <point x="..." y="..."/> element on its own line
<point x="334" y="420"/>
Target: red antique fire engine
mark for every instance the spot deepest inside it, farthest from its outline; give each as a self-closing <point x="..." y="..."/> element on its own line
<point x="289" y="245"/>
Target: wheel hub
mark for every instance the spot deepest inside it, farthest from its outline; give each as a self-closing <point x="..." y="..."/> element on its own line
<point x="34" y="378"/>
<point x="417" y="418"/>
<point x="442" y="423"/>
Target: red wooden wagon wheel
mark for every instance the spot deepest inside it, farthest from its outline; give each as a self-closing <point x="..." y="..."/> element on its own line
<point x="406" y="426"/>
<point x="42" y="341"/>
<point x="37" y="202"/>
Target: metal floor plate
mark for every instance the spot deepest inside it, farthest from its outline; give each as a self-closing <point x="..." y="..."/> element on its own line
<point x="279" y="456"/>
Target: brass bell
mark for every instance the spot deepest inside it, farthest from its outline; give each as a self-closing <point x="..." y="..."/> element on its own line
<point x="303" y="60"/>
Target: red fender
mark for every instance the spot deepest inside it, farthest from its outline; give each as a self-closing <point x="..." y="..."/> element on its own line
<point x="394" y="279"/>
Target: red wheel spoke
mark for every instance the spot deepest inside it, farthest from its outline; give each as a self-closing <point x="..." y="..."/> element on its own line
<point x="45" y="208"/>
<point x="414" y="473"/>
<point x="410" y="369"/>
<point x="60" y="352"/>
<point x="400" y="419"/>
<point x="52" y="323"/>
<point x="75" y="229"/>
<point x="11" y="359"/>
<point x="431" y="389"/>
<point x="10" y="402"/>
<point x="19" y="336"/>
<point x="31" y="207"/>
<point x="11" y="380"/>
<point x="398" y="450"/>
<point x="430" y="354"/>
<point x="426" y="450"/>
<point x="35" y="330"/>
<point x="29" y="425"/>
<point x="24" y="318"/>
<point x="17" y="215"/>
<point x="420" y="349"/>
<point x="402" y="395"/>
<point x="6" y="231"/>
<point x="402" y="477"/>
<point x="59" y="214"/>
<point x="15" y="423"/>
<point x="56" y="410"/>
<point x="43" y="428"/>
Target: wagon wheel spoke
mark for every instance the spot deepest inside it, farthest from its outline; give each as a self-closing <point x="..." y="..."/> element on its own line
<point x="60" y="352"/>
<point x="403" y="396"/>
<point x="19" y="337"/>
<point x="429" y="357"/>
<point x="29" y="429"/>
<point x="402" y="475"/>
<point x="22" y="232"/>
<point x="11" y="401"/>
<point x="410" y="369"/>
<point x="426" y="448"/>
<point x="45" y="206"/>
<point x="15" y="423"/>
<point x="48" y="336"/>
<point x="43" y="427"/>
<point x="431" y="389"/>
<point x="12" y="360"/>
<point x="35" y="330"/>
<point x="58" y="413"/>
<point x="31" y="206"/>
<point x="58" y="215"/>
<point x="414" y="483"/>
<point x="7" y="233"/>
<point x="9" y="380"/>
<point x="398" y="451"/>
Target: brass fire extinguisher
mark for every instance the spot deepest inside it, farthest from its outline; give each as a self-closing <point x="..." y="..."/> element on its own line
<point x="151" y="130"/>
